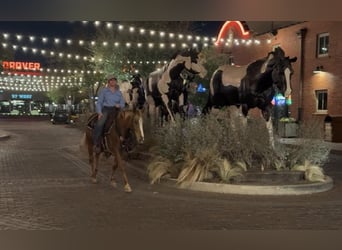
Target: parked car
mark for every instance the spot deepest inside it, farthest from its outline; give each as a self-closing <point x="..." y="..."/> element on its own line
<point x="60" y="116"/>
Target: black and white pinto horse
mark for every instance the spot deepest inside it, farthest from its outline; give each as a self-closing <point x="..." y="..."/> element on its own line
<point x="253" y="85"/>
<point x="133" y="92"/>
<point x="167" y="88"/>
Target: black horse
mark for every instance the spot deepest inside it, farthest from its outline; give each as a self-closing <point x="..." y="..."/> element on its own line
<point x="253" y="85"/>
<point x="138" y="92"/>
<point x="167" y="88"/>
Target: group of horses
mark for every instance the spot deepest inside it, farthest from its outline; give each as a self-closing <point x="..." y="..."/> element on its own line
<point x="165" y="92"/>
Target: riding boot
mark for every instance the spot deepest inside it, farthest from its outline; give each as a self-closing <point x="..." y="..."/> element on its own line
<point x="97" y="146"/>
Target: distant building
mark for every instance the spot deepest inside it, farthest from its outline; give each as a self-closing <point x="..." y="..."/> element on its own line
<point x="24" y="103"/>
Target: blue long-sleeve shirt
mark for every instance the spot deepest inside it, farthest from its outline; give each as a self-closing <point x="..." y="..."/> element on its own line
<point x="109" y="99"/>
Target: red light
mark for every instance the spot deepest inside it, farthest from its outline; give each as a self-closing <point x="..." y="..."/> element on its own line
<point x="244" y="34"/>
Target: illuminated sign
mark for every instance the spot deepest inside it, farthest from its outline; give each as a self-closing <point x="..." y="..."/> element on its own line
<point x="289" y="100"/>
<point x="33" y="66"/>
<point x="201" y="89"/>
<point x="279" y="100"/>
<point x="21" y="96"/>
<point x="244" y="34"/>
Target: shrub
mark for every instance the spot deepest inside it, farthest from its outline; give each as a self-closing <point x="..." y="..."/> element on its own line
<point x="226" y="144"/>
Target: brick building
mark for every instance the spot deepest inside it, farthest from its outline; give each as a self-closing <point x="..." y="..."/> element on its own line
<point x="317" y="45"/>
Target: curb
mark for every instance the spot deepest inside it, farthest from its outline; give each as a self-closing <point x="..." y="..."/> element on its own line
<point x="298" y="189"/>
<point x="4" y="137"/>
<point x="241" y="189"/>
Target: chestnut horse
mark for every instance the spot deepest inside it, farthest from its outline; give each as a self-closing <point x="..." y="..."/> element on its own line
<point x="129" y="125"/>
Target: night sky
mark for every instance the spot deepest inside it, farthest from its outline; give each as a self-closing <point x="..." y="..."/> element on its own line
<point x="65" y="29"/>
<point x="50" y="28"/>
<point x="59" y="28"/>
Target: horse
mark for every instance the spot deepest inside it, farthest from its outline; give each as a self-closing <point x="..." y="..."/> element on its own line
<point x="129" y="125"/>
<point x="138" y="91"/>
<point x="167" y="88"/>
<point x="133" y="92"/>
<point x="253" y="85"/>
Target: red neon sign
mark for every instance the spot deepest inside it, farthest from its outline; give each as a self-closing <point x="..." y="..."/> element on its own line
<point x="244" y="34"/>
<point x="30" y="66"/>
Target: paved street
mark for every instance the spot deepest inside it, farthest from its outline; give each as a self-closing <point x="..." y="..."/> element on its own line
<point x="45" y="184"/>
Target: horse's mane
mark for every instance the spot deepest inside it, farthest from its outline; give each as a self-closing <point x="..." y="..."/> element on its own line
<point x="160" y="71"/>
<point x="254" y="68"/>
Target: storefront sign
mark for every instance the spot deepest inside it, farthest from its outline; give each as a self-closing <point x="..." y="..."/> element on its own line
<point x="21" y="96"/>
<point x="30" y="66"/>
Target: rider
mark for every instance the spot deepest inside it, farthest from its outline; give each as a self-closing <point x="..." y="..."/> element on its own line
<point x="110" y="99"/>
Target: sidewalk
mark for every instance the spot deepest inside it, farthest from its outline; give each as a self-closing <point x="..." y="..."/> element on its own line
<point x="332" y="145"/>
<point x="251" y="189"/>
<point x="4" y="135"/>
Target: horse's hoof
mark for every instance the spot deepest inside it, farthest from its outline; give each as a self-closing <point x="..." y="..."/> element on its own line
<point x="128" y="189"/>
<point x="94" y="180"/>
<point x="113" y="183"/>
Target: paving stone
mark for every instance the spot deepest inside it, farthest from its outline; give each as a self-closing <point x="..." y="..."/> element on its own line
<point x="45" y="185"/>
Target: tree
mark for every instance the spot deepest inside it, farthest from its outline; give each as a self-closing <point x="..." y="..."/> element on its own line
<point x="113" y="54"/>
<point x="214" y="59"/>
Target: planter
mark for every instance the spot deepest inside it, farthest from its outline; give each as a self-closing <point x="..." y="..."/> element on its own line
<point x="255" y="189"/>
<point x="288" y="129"/>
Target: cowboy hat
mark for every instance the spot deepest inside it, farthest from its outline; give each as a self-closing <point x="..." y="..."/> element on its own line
<point x="109" y="77"/>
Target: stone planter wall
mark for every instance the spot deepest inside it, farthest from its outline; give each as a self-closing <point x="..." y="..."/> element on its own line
<point x="288" y="129"/>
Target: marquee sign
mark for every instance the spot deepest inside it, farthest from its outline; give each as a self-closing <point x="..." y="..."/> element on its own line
<point x="25" y="68"/>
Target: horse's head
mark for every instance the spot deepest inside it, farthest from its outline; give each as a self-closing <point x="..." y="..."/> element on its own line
<point x="126" y="89"/>
<point x="136" y="81"/>
<point x="138" y="93"/>
<point x="281" y="71"/>
<point x="135" y="124"/>
<point x="193" y="62"/>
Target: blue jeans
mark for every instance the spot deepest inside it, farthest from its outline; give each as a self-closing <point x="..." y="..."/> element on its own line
<point x="98" y="129"/>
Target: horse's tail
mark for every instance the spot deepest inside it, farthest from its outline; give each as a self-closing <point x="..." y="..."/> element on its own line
<point x="244" y="89"/>
<point x="216" y="82"/>
<point x="83" y="143"/>
<point x="214" y="87"/>
<point x="208" y="106"/>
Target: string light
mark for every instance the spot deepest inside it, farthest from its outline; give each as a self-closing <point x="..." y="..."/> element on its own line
<point x="116" y="44"/>
<point x="9" y="83"/>
<point x="131" y="29"/>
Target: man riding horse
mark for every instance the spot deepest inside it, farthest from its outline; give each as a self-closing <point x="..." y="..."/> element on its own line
<point x="111" y="128"/>
<point x="110" y="101"/>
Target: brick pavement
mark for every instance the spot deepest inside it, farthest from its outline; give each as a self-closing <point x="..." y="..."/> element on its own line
<point x="44" y="184"/>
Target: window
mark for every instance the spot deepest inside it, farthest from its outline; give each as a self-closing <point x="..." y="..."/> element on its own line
<point x="321" y="100"/>
<point x="322" y="44"/>
<point x="231" y="60"/>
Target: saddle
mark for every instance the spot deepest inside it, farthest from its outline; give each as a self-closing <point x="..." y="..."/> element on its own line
<point x="108" y="124"/>
<point x="126" y="144"/>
